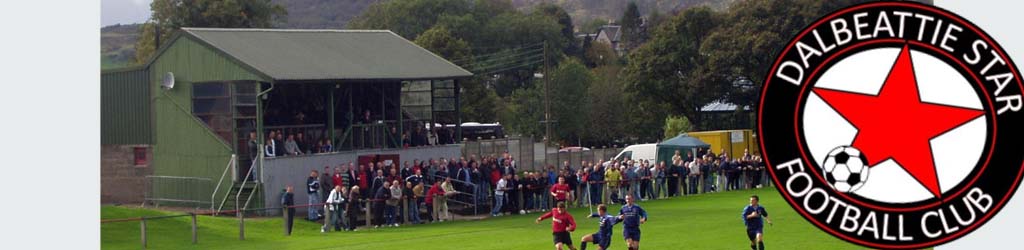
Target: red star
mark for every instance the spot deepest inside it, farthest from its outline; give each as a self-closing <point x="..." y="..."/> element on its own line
<point x="896" y="124"/>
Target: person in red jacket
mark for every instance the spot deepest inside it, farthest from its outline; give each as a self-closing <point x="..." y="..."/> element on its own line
<point x="432" y="209"/>
<point x="561" y="224"/>
<point x="495" y="176"/>
<point x="560" y="191"/>
<point x="336" y="178"/>
<point x="364" y="180"/>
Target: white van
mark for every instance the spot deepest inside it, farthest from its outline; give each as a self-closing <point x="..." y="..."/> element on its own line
<point x="639" y="152"/>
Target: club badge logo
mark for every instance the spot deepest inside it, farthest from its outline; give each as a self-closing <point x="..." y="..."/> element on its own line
<point x="894" y="125"/>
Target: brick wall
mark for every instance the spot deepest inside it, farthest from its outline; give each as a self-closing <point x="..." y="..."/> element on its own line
<point x="121" y="181"/>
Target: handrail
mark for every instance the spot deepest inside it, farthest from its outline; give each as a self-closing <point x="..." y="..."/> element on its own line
<point x="251" y="194"/>
<point x="213" y="196"/>
<point x="225" y="200"/>
<point x="256" y="188"/>
<point x="472" y="195"/>
<point x="244" y="181"/>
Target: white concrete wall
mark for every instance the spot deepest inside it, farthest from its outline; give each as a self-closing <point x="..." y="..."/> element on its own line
<point x="280" y="172"/>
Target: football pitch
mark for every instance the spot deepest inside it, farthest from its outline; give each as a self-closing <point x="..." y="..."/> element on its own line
<point x="708" y="221"/>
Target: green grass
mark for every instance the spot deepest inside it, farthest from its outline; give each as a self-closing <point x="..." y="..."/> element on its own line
<point x="695" y="222"/>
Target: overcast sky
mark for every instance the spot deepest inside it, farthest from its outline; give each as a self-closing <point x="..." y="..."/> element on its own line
<point x="123" y="11"/>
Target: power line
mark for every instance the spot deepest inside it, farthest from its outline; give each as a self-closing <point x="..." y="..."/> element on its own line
<point x="492" y="56"/>
<point x="513" y="67"/>
<point x="505" y="63"/>
<point x="503" y="46"/>
<point x="499" y="59"/>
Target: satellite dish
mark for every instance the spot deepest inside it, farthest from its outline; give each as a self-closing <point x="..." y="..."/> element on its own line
<point x="168" y="81"/>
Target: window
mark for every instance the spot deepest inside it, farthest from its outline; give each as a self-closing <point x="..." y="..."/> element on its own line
<point x="624" y="155"/>
<point x="444" y="95"/>
<point x="211" y="103"/>
<point x="140" y="156"/>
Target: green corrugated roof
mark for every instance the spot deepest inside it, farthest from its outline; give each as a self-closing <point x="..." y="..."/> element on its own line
<point x="285" y="54"/>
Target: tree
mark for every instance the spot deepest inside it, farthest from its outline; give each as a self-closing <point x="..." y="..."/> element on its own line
<point x="568" y="86"/>
<point x="676" y="125"/>
<point x="408" y="18"/>
<point x="655" y="19"/>
<point x="478" y="101"/>
<point x="593" y="26"/>
<point x="170" y="15"/>
<point x="600" y="54"/>
<point x="669" y="69"/>
<point x="607" y="120"/>
<point x="565" y="21"/>
<point x="524" y="112"/>
<point x="440" y="41"/>
<point x="568" y="99"/>
<point x="632" y="35"/>
<point x="755" y="32"/>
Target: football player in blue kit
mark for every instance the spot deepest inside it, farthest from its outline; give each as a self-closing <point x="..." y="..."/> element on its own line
<point x="752" y="215"/>
<point x="603" y="237"/>
<point x="632" y="216"/>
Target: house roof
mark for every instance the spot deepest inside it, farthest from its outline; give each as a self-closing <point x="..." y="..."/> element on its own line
<point x="612" y="31"/>
<point x="289" y="54"/>
<point x="719" y="106"/>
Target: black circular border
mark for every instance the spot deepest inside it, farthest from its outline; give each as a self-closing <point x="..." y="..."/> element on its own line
<point x="778" y="134"/>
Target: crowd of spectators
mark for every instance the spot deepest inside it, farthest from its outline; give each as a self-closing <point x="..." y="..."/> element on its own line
<point x="279" y="144"/>
<point x="420" y="191"/>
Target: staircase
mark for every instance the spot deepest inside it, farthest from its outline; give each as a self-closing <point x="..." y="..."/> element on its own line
<point x="249" y="189"/>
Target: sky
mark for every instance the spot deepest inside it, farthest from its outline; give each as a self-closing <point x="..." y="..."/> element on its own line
<point x="123" y="11"/>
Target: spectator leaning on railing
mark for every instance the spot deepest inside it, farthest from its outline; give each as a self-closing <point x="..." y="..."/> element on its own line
<point x="391" y="211"/>
<point x="449" y="191"/>
<point x="412" y="207"/>
<point x="433" y="201"/>
<point x="353" y="206"/>
<point x="499" y="195"/>
<point x="612" y="178"/>
<point x="380" y="196"/>
<point x="420" y="192"/>
<point x="270" y="149"/>
<point x="312" y="187"/>
<point x="279" y="144"/>
<point x="333" y="210"/>
<point x="291" y="147"/>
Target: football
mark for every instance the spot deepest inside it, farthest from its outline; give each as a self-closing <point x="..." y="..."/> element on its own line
<point x="845" y="169"/>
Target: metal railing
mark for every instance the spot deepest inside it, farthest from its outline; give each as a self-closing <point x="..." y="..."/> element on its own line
<point x="238" y="194"/>
<point x="472" y="197"/>
<point x="232" y="164"/>
<point x="178" y="189"/>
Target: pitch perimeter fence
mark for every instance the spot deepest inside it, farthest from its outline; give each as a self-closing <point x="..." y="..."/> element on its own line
<point x="532" y="155"/>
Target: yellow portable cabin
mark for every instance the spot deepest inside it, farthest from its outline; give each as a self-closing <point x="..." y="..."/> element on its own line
<point x="731" y="141"/>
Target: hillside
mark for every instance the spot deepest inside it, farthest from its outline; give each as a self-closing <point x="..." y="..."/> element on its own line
<point x="117" y="42"/>
<point x="322" y="14"/>
<point x="117" y="45"/>
<point x="584" y="11"/>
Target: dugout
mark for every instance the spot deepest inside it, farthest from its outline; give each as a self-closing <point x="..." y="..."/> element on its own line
<point x="229" y="82"/>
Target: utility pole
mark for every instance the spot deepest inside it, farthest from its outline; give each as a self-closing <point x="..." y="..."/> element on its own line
<point x="547" y="97"/>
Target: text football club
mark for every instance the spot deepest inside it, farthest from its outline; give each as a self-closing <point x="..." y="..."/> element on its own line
<point x="894" y="125"/>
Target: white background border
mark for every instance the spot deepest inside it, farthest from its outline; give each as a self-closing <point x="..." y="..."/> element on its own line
<point x="1001" y="20"/>
<point x="49" y="132"/>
